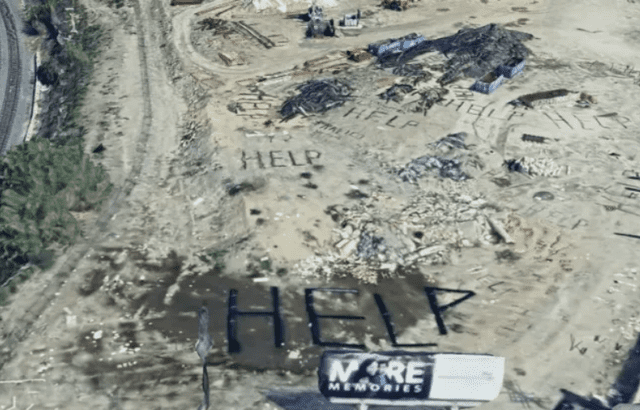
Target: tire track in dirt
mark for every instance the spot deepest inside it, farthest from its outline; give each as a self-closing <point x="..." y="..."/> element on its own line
<point x="69" y="260"/>
<point x="145" y="131"/>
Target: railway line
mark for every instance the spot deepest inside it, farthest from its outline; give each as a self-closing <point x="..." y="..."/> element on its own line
<point x="12" y="85"/>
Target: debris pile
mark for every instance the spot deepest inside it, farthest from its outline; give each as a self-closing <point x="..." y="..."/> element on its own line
<point x="409" y="70"/>
<point x="544" y="167"/>
<point x="540" y="98"/>
<point x="370" y="245"/>
<point x="396" y="92"/>
<point x="422" y="231"/>
<point x="446" y="168"/>
<point x="398" y="5"/>
<point x="427" y="99"/>
<point x="317" y="96"/>
<point x="585" y="100"/>
<point x="359" y="55"/>
<point x="472" y="52"/>
<point x="451" y="141"/>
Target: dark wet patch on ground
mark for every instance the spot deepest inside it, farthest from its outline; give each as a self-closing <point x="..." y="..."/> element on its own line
<point x="405" y="300"/>
<point x="93" y="281"/>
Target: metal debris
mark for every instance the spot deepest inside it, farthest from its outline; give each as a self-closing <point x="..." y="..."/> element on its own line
<point x="317" y="96"/>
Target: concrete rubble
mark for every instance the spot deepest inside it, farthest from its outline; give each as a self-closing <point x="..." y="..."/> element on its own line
<point x="425" y="231"/>
<point x="446" y="168"/>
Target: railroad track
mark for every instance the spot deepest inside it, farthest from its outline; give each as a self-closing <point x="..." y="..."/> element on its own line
<point x="12" y="87"/>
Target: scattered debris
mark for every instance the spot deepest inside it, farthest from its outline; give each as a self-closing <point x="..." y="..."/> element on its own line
<point x="411" y="70"/>
<point x="472" y="52"/>
<point x="514" y="165"/>
<point x="427" y="100"/>
<point x="541" y="98"/>
<point x="370" y="245"/>
<point x="447" y="168"/>
<point x="499" y="230"/>
<point x="533" y="138"/>
<point x="543" y="196"/>
<point x="452" y="141"/>
<point x="396" y="92"/>
<point x="585" y="100"/>
<point x="317" y="96"/>
<point x="234" y="189"/>
<point x="359" y="55"/>
<point x="398" y="5"/>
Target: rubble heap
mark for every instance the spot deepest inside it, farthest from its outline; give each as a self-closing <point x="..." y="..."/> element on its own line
<point x="446" y="168"/>
<point x="370" y="244"/>
<point x="452" y="141"/>
<point x="471" y="51"/>
<point x="317" y="96"/>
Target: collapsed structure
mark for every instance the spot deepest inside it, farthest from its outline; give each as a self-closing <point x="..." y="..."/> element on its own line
<point x="472" y="52"/>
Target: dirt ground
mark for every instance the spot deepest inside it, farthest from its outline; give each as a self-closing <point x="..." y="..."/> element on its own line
<point x="113" y="324"/>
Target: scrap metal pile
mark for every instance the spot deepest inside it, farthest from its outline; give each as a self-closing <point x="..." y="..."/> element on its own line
<point x="471" y="51"/>
<point x="317" y="96"/>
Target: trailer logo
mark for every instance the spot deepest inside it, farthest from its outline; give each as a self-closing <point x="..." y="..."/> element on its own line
<point x="390" y="375"/>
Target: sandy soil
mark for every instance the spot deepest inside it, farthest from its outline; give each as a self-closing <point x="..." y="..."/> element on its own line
<point x="113" y="324"/>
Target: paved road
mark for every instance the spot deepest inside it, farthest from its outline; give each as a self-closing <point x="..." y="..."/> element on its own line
<point x="16" y="77"/>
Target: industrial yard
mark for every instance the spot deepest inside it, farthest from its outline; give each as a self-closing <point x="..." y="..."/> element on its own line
<point x="371" y="154"/>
